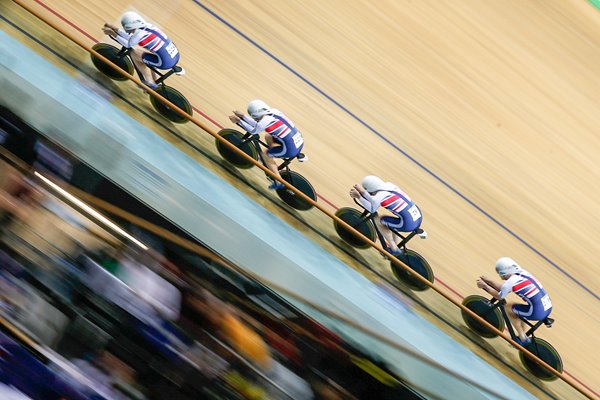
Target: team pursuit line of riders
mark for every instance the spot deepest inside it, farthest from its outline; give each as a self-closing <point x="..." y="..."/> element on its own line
<point x="284" y="141"/>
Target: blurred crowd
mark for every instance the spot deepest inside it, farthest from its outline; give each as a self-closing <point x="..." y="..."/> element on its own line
<point x="91" y="312"/>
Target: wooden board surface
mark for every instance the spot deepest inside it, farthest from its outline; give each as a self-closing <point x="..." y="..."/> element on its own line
<point x="494" y="103"/>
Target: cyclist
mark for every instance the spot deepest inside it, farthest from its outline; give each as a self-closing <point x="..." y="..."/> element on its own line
<point x="376" y="193"/>
<point x="157" y="50"/>
<point x="282" y="137"/>
<point x="523" y="284"/>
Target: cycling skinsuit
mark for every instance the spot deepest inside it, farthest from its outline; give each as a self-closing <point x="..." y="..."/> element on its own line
<point x="287" y="137"/>
<point x="538" y="305"/>
<point x="163" y="52"/>
<point x="408" y="215"/>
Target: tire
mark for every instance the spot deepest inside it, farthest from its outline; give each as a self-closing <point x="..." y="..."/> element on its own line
<point x="481" y="306"/>
<point x="546" y="353"/>
<point x="353" y="218"/>
<point x="236" y="138"/>
<point x="300" y="183"/>
<point x="175" y="97"/>
<point x="419" y="265"/>
<point x="112" y="53"/>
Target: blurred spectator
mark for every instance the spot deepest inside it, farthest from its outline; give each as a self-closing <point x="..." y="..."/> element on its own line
<point x="156" y="249"/>
<point x="109" y="258"/>
<point x="291" y="383"/>
<point x="110" y="377"/>
<point x="245" y="341"/>
<point x="232" y="330"/>
<point x="121" y="278"/>
<point x="208" y="363"/>
<point x="148" y="285"/>
<point x="327" y="389"/>
<point x="11" y="296"/>
<point x="17" y="195"/>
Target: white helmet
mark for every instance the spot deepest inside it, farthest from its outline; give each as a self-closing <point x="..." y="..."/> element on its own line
<point x="507" y="266"/>
<point x="132" y="20"/>
<point x="258" y="108"/>
<point x="372" y="183"/>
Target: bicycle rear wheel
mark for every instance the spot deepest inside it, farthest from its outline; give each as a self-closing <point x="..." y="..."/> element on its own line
<point x="545" y="352"/>
<point x="418" y="265"/>
<point x="175" y="97"/>
<point x="300" y="183"/>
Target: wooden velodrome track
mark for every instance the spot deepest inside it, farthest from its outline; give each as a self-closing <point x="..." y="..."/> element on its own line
<point x="486" y="113"/>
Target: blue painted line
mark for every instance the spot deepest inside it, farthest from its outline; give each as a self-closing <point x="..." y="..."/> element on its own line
<point x="396" y="147"/>
<point x="295" y="216"/>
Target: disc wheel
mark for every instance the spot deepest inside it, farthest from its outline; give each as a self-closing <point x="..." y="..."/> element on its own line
<point x="175" y="97"/>
<point x="482" y="306"/>
<point x="237" y="139"/>
<point x="418" y="264"/>
<point x="547" y="353"/>
<point x="354" y="218"/>
<point x="300" y="183"/>
<point x="112" y="53"/>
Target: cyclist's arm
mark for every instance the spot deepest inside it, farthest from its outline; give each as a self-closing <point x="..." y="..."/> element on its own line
<point x="127" y="40"/>
<point x="252" y="126"/>
<point x="248" y="124"/>
<point x="505" y="289"/>
<point x="490" y="282"/>
<point x="122" y="37"/>
<point x="496" y="294"/>
<point x="370" y="203"/>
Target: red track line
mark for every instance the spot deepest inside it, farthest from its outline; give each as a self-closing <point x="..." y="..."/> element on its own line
<point x="67" y="21"/>
<point x="327" y="201"/>
<point x="221" y="127"/>
<point x="449" y="288"/>
<point x="582" y="384"/>
<point x="215" y="123"/>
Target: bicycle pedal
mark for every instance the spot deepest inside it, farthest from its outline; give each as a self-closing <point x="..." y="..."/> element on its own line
<point x="302" y="157"/>
<point x="422" y="235"/>
<point x="179" y="71"/>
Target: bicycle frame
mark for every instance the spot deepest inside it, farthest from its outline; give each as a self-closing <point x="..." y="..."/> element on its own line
<point x="256" y="142"/>
<point x="533" y="327"/>
<point x="367" y="215"/>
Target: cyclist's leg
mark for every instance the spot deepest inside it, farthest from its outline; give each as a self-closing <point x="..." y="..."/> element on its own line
<point x="270" y="161"/>
<point x="387" y="233"/>
<point x="268" y="155"/>
<point x="514" y="312"/>
<point x="137" y="57"/>
<point x="269" y="139"/>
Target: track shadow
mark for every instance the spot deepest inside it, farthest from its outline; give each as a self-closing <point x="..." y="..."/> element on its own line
<point x="102" y="81"/>
<point x="346" y="248"/>
<point x="485" y="344"/>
